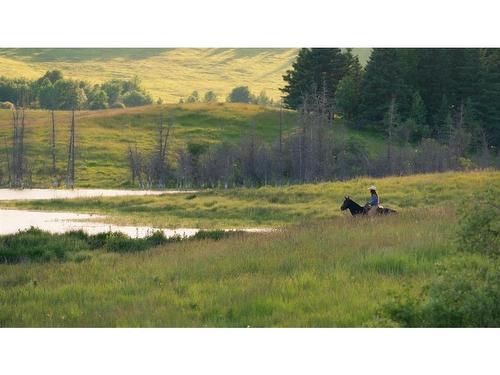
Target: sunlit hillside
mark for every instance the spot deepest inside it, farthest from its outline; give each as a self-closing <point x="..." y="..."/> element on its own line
<point x="167" y="73"/>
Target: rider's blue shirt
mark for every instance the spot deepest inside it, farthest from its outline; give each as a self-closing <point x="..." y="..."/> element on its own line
<point x="374" y="200"/>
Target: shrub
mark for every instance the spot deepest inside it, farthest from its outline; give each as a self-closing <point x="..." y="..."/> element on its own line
<point x="36" y="245"/>
<point x="214" y="234"/>
<point x="136" y="99"/>
<point x="117" y="105"/>
<point x="480" y="223"/>
<point x="210" y="97"/>
<point x="466" y="294"/>
<point x="240" y="94"/>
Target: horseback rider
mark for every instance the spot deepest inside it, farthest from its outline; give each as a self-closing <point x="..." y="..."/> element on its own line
<point x="372" y="206"/>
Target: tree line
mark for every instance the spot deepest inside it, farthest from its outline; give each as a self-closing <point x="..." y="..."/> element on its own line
<point x="239" y="94"/>
<point x="53" y="91"/>
<point x="319" y="149"/>
<point x="432" y="89"/>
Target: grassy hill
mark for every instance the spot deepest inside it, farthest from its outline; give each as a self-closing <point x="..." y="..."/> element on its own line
<point x="103" y="136"/>
<point x="332" y="270"/>
<point x="169" y="73"/>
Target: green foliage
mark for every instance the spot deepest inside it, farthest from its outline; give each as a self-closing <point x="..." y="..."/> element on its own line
<point x="382" y="81"/>
<point x="215" y="235"/>
<point x="466" y="293"/>
<point x="39" y="246"/>
<point x="316" y="69"/>
<point x="53" y="91"/>
<point x="348" y="94"/>
<point x="97" y="99"/>
<point x="263" y="99"/>
<point x="240" y="94"/>
<point x="193" y="98"/>
<point x="36" y="245"/>
<point x="69" y="95"/>
<point x="52" y="76"/>
<point x="117" y="105"/>
<point x="121" y="243"/>
<point x="210" y="97"/>
<point x="480" y="223"/>
<point x="47" y="95"/>
<point x="418" y="115"/>
<point x="113" y="90"/>
<point x="136" y="99"/>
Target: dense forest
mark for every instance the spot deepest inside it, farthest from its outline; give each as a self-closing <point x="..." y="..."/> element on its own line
<point x="431" y="88"/>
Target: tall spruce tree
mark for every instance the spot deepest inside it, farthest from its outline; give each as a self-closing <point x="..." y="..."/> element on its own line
<point x="383" y="81"/>
<point x="489" y="97"/>
<point x="348" y="94"/>
<point x="316" y="69"/>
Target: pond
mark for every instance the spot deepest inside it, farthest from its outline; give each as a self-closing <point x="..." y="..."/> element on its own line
<point x="29" y="194"/>
<point x="12" y="221"/>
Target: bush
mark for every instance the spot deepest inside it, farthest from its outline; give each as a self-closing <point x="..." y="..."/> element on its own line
<point x="466" y="294"/>
<point x="36" y="245"/>
<point x="118" y="105"/>
<point x="136" y="99"/>
<point x="480" y="223"/>
<point x="240" y="94"/>
<point x="215" y="234"/>
<point x="39" y="246"/>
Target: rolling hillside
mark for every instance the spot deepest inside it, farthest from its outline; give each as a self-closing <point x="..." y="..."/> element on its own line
<point x="167" y="73"/>
<point x="103" y="136"/>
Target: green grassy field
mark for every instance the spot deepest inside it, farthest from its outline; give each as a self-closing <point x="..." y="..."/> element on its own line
<point x="329" y="270"/>
<point x="103" y="136"/>
<point x="272" y="206"/>
<point x="169" y="73"/>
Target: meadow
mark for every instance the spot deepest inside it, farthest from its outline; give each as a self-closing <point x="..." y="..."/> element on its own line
<point x="168" y="73"/>
<point x="103" y="137"/>
<point x="322" y="269"/>
<point x="272" y="206"/>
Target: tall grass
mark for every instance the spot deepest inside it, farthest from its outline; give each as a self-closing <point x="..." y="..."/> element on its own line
<point x="324" y="274"/>
<point x="275" y="206"/>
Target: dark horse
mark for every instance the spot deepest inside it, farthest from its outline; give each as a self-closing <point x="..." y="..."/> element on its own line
<point x="356" y="209"/>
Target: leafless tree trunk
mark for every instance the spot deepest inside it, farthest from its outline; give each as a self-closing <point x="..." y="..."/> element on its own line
<point x="18" y="151"/>
<point x="390" y="133"/>
<point x="53" y="148"/>
<point x="7" y="158"/>
<point x="70" y="175"/>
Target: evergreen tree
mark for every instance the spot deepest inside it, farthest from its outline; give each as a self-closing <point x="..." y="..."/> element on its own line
<point x="418" y="115"/>
<point x="489" y="96"/>
<point x="348" y="94"/>
<point x="316" y="69"/>
<point x="382" y="82"/>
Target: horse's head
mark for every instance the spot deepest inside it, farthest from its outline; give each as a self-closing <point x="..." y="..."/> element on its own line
<point x="346" y="204"/>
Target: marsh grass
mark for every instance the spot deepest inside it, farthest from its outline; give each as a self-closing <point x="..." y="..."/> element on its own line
<point x="323" y="269"/>
<point x="274" y="206"/>
<point x="326" y="273"/>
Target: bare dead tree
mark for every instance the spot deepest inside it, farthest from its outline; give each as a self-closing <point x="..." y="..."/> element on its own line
<point x="135" y="164"/>
<point x="18" y="161"/>
<point x="70" y="174"/>
<point x="53" y="149"/>
<point x="7" y="159"/>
